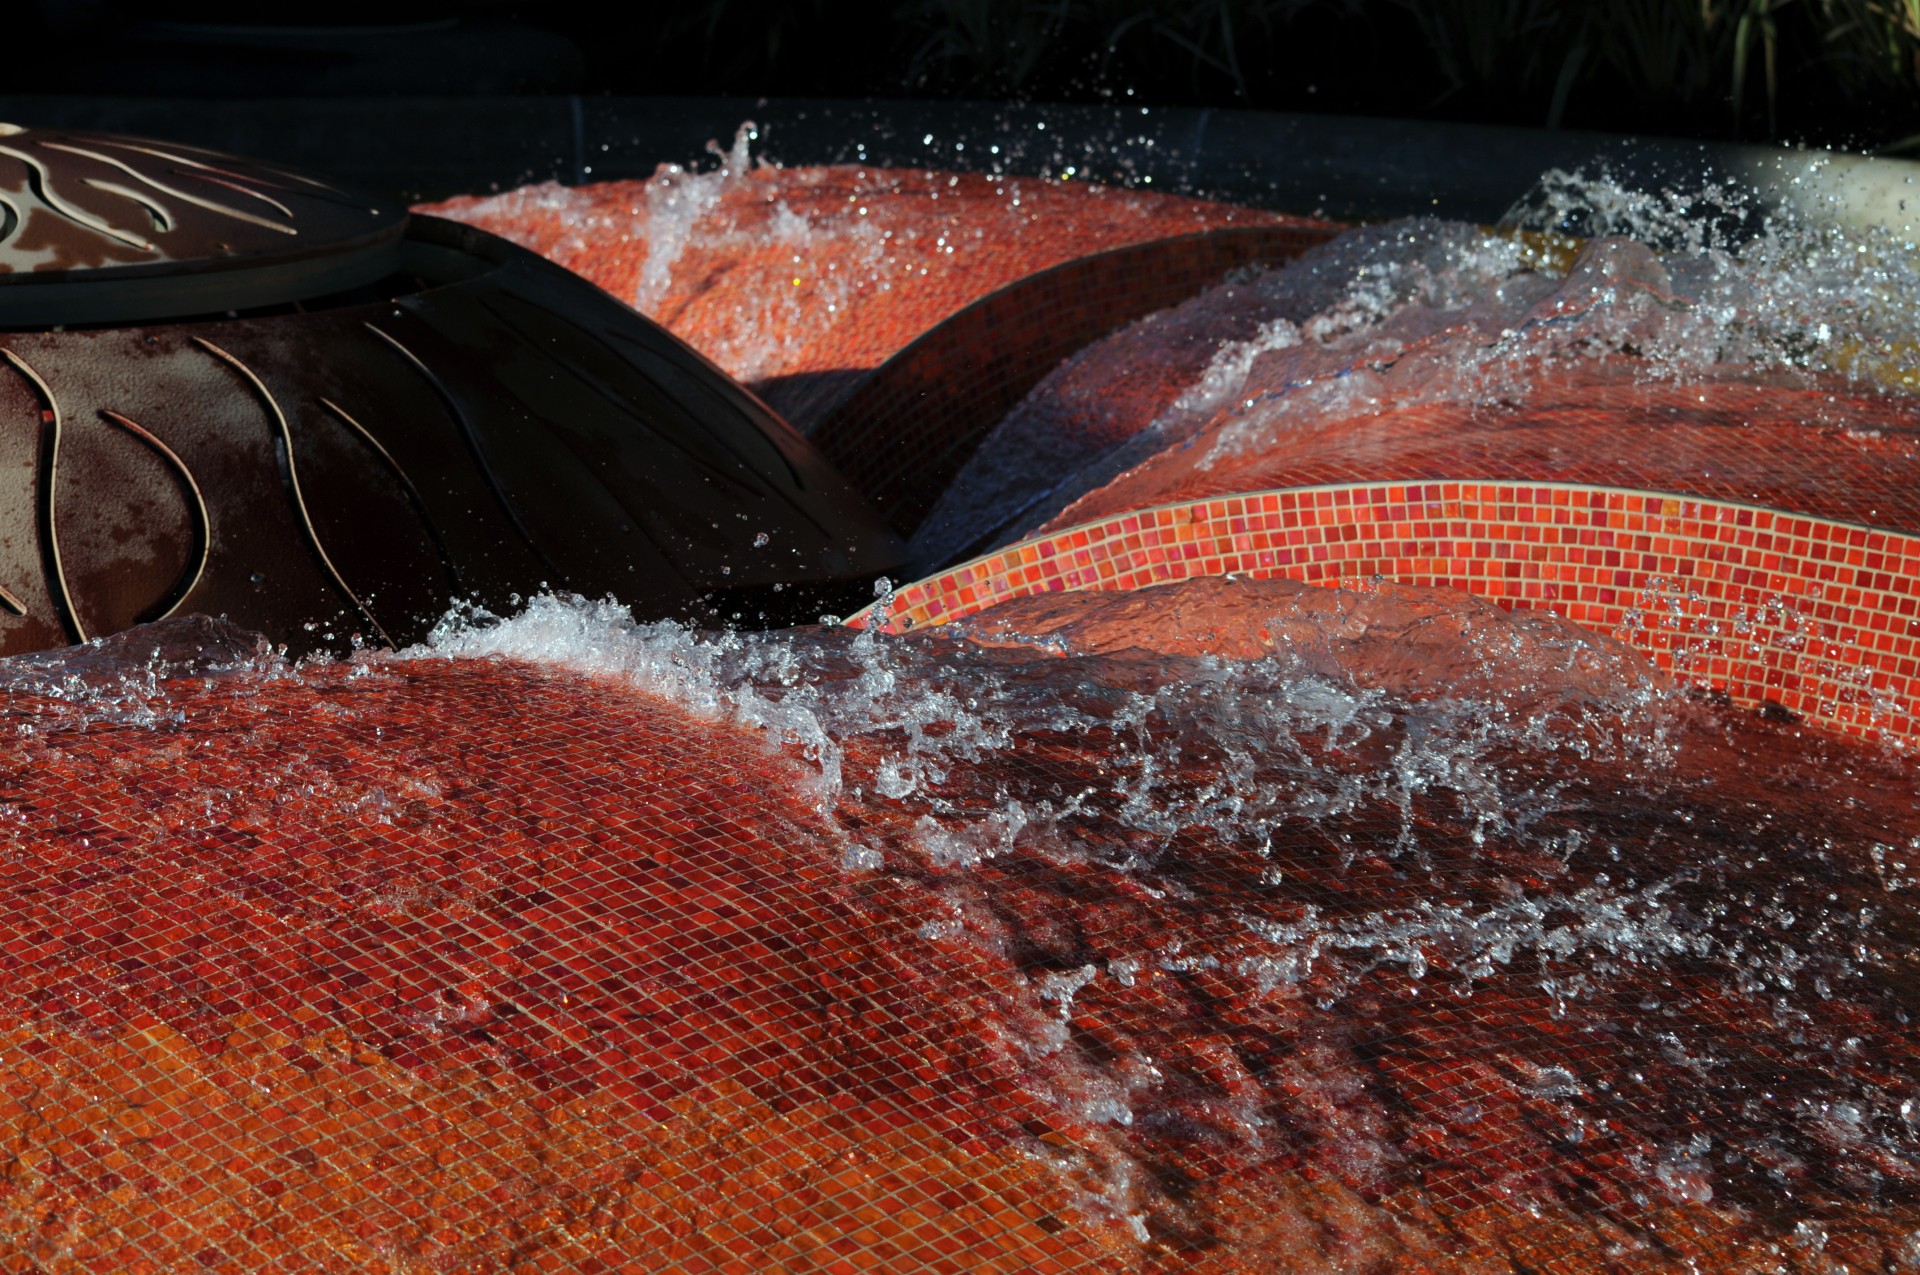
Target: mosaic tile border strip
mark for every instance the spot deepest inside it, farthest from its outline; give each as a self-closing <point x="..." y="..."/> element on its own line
<point x="1778" y="610"/>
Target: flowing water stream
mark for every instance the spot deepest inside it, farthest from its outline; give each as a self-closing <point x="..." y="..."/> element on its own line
<point x="1232" y="924"/>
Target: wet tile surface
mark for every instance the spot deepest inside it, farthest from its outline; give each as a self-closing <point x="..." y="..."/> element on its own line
<point x="470" y="963"/>
<point x="1772" y="608"/>
<point x="1342" y="929"/>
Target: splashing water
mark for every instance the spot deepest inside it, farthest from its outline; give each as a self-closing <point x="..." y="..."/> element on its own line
<point x="1674" y="289"/>
<point x="820" y="272"/>
<point x="1296" y="815"/>
<point x="1233" y="924"/>
<point x="1313" y="805"/>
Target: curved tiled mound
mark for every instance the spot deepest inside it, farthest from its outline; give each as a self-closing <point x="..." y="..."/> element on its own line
<point x="800" y="281"/>
<point x="1585" y="440"/>
<point x="477" y="964"/>
<point x="1822" y="446"/>
<point x="428" y="984"/>
<point x="906" y="430"/>
<point x="1807" y="615"/>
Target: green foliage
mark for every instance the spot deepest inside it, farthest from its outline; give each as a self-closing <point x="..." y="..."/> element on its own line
<point x="1003" y="46"/>
<point x="1674" y="56"/>
<point x="1876" y="46"/>
<point x="1727" y="67"/>
<point x="1843" y="71"/>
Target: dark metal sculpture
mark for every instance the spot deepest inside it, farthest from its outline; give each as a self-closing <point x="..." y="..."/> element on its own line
<point x="229" y="389"/>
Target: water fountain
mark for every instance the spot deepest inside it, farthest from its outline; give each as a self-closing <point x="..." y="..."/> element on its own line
<point x="1401" y="761"/>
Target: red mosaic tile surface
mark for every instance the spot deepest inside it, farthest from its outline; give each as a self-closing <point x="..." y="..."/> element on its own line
<point x="905" y="433"/>
<point x="470" y="965"/>
<point x="475" y="965"/>
<point x="1822" y="446"/>
<point x="1813" y="615"/>
<point x="796" y="280"/>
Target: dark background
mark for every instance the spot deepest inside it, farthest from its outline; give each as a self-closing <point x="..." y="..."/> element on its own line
<point x="1828" y="72"/>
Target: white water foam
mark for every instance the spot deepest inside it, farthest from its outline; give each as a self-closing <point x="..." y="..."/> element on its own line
<point x="1257" y="753"/>
<point x="1426" y="311"/>
<point x="1328" y="742"/>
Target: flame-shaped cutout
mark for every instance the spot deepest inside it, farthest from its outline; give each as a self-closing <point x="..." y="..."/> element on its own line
<point x="47" y="495"/>
<point x="197" y="507"/>
<point x="75" y="201"/>
<point x="42" y="184"/>
<point x="283" y="440"/>
<point x="197" y="201"/>
<point x="132" y="522"/>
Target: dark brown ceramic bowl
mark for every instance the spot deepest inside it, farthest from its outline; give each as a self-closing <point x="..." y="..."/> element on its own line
<point x="231" y="389"/>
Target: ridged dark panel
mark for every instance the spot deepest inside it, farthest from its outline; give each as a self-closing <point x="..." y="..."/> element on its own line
<point x="485" y="425"/>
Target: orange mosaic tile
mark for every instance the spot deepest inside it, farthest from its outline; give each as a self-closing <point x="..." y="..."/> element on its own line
<point x="1810" y="615"/>
<point x="905" y="432"/>
<point x="1834" y="448"/>
<point x="391" y="998"/>
<point x="473" y="964"/>
<point x="799" y="281"/>
<point x="1124" y="963"/>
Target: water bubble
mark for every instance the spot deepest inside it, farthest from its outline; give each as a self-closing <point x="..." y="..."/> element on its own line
<point x="1808" y="1235"/>
<point x="862" y="859"/>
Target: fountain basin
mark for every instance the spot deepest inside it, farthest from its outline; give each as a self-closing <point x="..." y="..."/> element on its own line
<point x="1302" y="911"/>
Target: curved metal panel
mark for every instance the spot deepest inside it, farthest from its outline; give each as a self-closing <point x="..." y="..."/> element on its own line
<point x="497" y="428"/>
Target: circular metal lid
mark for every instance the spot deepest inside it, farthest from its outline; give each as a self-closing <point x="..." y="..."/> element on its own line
<point x="97" y="228"/>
